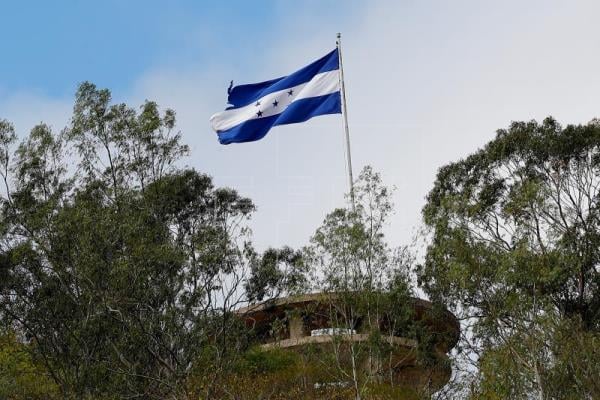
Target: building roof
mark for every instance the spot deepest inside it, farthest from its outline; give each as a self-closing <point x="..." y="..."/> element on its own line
<point x="440" y="321"/>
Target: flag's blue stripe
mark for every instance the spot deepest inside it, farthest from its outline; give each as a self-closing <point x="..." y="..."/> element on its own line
<point x="242" y="95"/>
<point x="304" y="109"/>
<point x="299" y="111"/>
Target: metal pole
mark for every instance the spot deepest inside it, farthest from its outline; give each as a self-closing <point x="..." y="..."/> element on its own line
<point x="345" y="114"/>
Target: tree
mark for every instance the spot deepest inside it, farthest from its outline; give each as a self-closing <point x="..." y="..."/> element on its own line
<point x="368" y="282"/>
<point x="515" y="251"/>
<point x="276" y="273"/>
<point x="21" y="377"/>
<point x="121" y="269"/>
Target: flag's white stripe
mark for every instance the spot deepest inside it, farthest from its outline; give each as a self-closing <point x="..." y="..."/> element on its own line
<point x="321" y="84"/>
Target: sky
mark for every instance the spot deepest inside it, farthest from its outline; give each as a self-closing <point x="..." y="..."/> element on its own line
<point x="427" y="82"/>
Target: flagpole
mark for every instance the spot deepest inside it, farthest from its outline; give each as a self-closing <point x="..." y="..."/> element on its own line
<point x="345" y="114"/>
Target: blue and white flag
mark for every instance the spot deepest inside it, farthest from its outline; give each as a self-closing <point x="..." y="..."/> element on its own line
<point x="255" y="108"/>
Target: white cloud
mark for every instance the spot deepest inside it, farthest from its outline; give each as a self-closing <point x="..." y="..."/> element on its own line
<point x="27" y="109"/>
<point x="428" y="83"/>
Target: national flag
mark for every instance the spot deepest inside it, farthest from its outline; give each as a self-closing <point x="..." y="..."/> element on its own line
<point x="255" y="108"/>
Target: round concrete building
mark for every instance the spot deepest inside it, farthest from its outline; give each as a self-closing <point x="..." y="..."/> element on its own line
<point x="327" y="332"/>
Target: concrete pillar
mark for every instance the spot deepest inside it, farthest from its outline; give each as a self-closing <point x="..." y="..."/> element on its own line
<point x="296" y="326"/>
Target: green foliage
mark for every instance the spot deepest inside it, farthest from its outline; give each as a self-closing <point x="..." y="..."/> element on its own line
<point x="20" y="376"/>
<point x="515" y="251"/>
<point x="120" y="268"/>
<point x="571" y="373"/>
<point x="257" y="361"/>
<point x="349" y="250"/>
<point x="120" y="271"/>
<point x="276" y="273"/>
<point x="366" y="289"/>
<point x="369" y="282"/>
<point x="279" y="374"/>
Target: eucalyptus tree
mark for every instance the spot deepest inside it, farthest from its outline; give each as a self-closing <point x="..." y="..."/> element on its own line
<point x="276" y="273"/>
<point x="515" y="251"/>
<point x="351" y="261"/>
<point x="120" y="267"/>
